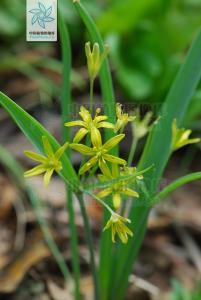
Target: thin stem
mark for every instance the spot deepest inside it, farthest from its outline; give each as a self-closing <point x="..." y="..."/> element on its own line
<point x="132" y="151"/>
<point x="73" y="243"/>
<point x="90" y="246"/>
<point x="91" y="94"/>
<point x="174" y="185"/>
<point x="99" y="200"/>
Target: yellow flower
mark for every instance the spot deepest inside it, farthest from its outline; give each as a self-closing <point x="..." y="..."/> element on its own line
<point x="117" y="189"/>
<point x="117" y="224"/>
<point x="180" y="137"/>
<point x="142" y="126"/>
<point x="95" y="58"/>
<point x="49" y="163"/>
<point x="89" y="125"/>
<point x="99" y="153"/>
<point x="122" y="118"/>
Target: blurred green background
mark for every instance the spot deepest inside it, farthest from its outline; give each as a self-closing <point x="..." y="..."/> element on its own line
<point x="148" y="41"/>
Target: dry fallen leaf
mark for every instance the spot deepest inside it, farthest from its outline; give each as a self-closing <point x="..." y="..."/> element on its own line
<point x="58" y="293"/>
<point x="13" y="274"/>
<point x="8" y="195"/>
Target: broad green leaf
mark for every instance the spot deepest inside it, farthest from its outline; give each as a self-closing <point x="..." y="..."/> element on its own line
<point x="157" y="151"/>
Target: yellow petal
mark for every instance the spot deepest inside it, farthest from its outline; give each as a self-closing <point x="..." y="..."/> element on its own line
<point x="35" y="156"/>
<point x="61" y="150"/>
<point x="47" y="147"/>
<point x="119" y="124"/>
<point x="80" y="135"/>
<point x="82" y="149"/>
<point x="116" y="200"/>
<point x="130" y="192"/>
<point x="113" y="141"/>
<point x="104" y="193"/>
<point x="74" y="123"/>
<point x="85" y="114"/>
<point x="96" y="55"/>
<point x="88" y="165"/>
<point x="96" y="137"/>
<point x="35" y="171"/>
<point x="98" y="119"/>
<point x="48" y="176"/>
<point x="114" y="159"/>
<point x="105" y="125"/>
<point x="104" y="168"/>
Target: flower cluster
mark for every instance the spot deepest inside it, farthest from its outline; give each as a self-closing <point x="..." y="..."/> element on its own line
<point x="88" y="141"/>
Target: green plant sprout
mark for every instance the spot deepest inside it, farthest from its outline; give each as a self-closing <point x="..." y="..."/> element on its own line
<point x="98" y="138"/>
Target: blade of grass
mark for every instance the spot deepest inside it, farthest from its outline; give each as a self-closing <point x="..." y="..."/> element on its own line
<point x="174" y="185"/>
<point x="157" y="151"/>
<point x="105" y="263"/>
<point x="34" y="131"/>
<point x="66" y="116"/>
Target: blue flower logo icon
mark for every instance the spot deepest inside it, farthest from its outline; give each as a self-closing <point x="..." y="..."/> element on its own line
<point x="41" y="15"/>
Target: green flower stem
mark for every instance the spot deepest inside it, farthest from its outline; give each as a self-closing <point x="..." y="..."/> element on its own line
<point x="91" y="94"/>
<point x="66" y="111"/>
<point x="98" y="199"/>
<point x="132" y="151"/>
<point x="174" y="185"/>
<point x="106" y="246"/>
<point x="73" y="243"/>
<point x="88" y="234"/>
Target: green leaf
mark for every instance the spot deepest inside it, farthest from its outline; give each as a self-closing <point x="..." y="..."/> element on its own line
<point x="34" y="131"/>
<point x="66" y="107"/>
<point x="157" y="151"/>
<point x="174" y="185"/>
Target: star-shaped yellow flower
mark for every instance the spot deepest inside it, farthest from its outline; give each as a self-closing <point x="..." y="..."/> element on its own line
<point x="99" y="153"/>
<point x="89" y="125"/>
<point x="49" y="163"/>
<point x="180" y="137"/>
<point x="117" y="224"/>
<point x="117" y="189"/>
<point x="122" y="118"/>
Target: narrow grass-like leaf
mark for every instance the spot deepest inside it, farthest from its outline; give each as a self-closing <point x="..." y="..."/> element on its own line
<point x="157" y="152"/>
<point x="174" y="185"/>
<point x="34" y="131"/>
<point x="66" y="115"/>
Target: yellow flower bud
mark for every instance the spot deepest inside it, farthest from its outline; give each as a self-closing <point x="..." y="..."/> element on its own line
<point x="95" y="58"/>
